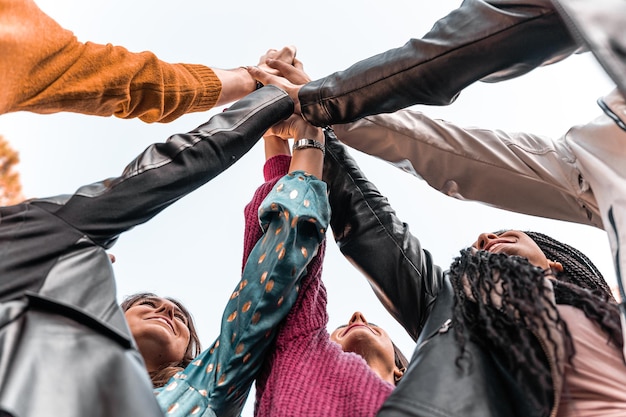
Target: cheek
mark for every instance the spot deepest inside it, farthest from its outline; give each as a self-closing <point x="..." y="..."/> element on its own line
<point x="185" y="337"/>
<point x="131" y="320"/>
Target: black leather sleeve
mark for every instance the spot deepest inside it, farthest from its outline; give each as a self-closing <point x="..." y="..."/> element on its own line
<point x="378" y="243"/>
<point x="167" y="171"/>
<point x="497" y="39"/>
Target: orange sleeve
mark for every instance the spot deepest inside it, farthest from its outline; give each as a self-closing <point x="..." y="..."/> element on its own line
<point x="45" y="69"/>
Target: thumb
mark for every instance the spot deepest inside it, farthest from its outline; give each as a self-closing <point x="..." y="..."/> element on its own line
<point x="293" y="74"/>
<point x="262" y="76"/>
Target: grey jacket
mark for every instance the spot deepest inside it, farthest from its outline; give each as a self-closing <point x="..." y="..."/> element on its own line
<point x="65" y="347"/>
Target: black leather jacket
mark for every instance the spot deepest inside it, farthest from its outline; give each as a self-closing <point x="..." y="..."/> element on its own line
<point x="419" y="295"/>
<point x="65" y="347"/>
<point x="487" y="40"/>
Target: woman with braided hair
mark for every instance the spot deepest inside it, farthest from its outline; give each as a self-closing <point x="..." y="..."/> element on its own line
<point x="519" y="325"/>
<point x="576" y="305"/>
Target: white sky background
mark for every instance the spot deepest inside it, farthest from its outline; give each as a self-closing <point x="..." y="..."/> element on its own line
<point x="192" y="251"/>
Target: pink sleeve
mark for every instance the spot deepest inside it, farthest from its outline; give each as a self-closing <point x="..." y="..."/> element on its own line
<point x="273" y="170"/>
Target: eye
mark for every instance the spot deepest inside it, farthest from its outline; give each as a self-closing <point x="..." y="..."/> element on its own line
<point x="147" y="302"/>
<point x="180" y="316"/>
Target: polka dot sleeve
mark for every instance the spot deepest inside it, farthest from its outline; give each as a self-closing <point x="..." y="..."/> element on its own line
<point x="294" y="216"/>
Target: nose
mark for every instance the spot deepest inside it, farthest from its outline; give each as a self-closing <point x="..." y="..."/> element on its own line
<point x="357" y="317"/>
<point x="483" y="239"/>
<point x="166" y="307"/>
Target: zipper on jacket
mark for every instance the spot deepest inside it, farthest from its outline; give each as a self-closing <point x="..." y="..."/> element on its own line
<point x="553" y="371"/>
<point x="442" y="329"/>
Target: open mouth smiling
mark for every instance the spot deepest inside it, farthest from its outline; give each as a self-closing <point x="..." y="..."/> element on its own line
<point x="164" y="320"/>
<point x="493" y="245"/>
<point x="353" y="326"/>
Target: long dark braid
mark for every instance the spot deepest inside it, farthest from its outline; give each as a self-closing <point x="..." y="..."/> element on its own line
<point x="508" y="323"/>
<point x="581" y="285"/>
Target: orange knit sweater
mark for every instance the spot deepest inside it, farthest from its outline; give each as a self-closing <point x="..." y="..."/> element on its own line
<point x="45" y="69"/>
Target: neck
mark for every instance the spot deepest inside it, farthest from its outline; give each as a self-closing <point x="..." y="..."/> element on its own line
<point x="381" y="368"/>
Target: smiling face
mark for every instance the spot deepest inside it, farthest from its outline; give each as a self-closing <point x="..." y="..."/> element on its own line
<point x="161" y="330"/>
<point x="369" y="341"/>
<point x="514" y="242"/>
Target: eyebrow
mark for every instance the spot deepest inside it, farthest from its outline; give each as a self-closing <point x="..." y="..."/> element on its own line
<point x="160" y="300"/>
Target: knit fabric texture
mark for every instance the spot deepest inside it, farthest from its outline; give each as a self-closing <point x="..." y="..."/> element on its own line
<point x="45" y="69"/>
<point x="295" y="216"/>
<point x="306" y="374"/>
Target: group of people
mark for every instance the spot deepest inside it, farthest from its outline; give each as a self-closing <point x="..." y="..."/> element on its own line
<point x="518" y="324"/>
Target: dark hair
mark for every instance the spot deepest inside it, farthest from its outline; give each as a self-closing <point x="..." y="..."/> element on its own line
<point x="507" y="323"/>
<point x="163" y="374"/>
<point x="400" y="360"/>
<point x="577" y="267"/>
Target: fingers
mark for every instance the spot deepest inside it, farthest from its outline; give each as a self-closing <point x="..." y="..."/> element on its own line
<point x="298" y="64"/>
<point x="266" y="78"/>
<point x="285" y="129"/>
<point x="283" y="83"/>
<point x="294" y="127"/>
<point x="286" y="54"/>
<point x="293" y="74"/>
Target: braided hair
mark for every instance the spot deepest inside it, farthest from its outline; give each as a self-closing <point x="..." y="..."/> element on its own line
<point x="502" y="303"/>
<point x="581" y="285"/>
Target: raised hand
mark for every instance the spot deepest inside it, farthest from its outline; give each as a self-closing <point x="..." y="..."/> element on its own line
<point x="285" y="56"/>
<point x="287" y="77"/>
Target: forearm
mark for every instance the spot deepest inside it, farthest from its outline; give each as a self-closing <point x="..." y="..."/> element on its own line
<point x="495" y="39"/>
<point x="519" y="172"/>
<point x="165" y="172"/>
<point x="45" y="69"/>
<point x="265" y="293"/>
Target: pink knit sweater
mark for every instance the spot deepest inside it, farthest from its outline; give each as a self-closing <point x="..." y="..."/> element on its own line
<point x="306" y="374"/>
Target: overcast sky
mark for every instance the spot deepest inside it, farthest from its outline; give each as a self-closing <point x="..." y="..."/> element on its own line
<point x="192" y="251"/>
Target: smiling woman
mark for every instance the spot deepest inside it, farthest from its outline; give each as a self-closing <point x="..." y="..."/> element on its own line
<point x="373" y="344"/>
<point x="165" y="350"/>
<point x="518" y="315"/>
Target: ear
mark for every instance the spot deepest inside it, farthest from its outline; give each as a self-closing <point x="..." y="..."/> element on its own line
<point x="398" y="374"/>
<point x="556" y="266"/>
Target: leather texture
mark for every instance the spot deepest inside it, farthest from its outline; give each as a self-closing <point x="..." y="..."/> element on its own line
<point x="489" y="40"/>
<point x="65" y="347"/>
<point x="419" y="295"/>
<point x="601" y="25"/>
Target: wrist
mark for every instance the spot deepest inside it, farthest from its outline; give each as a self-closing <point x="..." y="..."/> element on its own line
<point x="306" y="143"/>
<point x="250" y="81"/>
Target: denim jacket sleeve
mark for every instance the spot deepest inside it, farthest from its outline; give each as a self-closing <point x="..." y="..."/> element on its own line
<point x="378" y="243"/>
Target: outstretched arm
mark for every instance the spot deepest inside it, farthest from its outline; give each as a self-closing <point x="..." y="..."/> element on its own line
<point x="515" y="171"/>
<point x="481" y="40"/>
<point x="368" y="233"/>
<point x="45" y="69"/>
<point x="295" y="216"/>
<point x="167" y="171"/>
